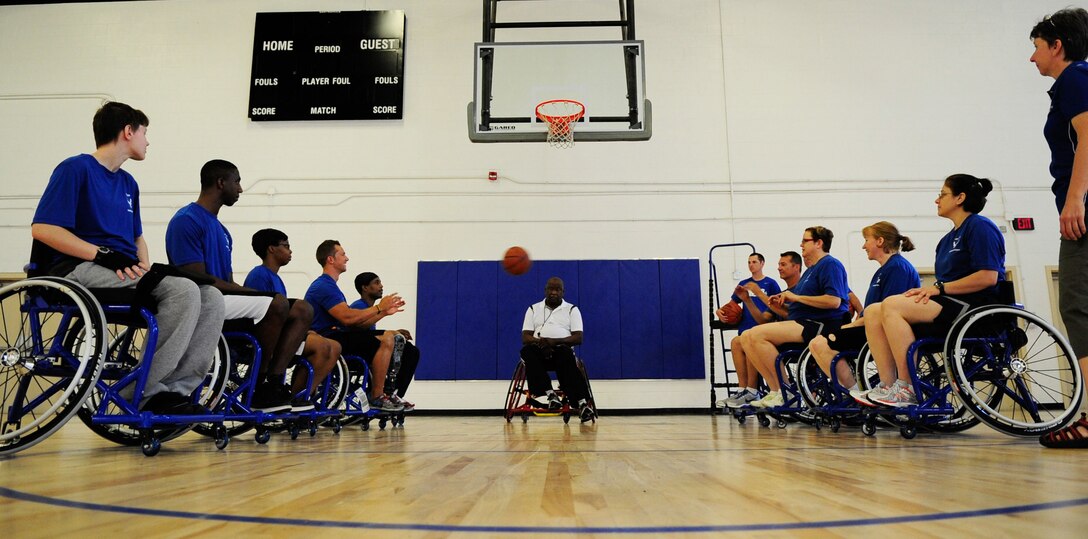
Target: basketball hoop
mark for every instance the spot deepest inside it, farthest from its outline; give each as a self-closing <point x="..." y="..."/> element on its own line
<point x="561" y="115"/>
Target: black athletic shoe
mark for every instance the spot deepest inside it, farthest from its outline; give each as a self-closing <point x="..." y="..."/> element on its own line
<point x="166" y="403"/>
<point x="269" y="398"/>
<point x="587" y="413"/>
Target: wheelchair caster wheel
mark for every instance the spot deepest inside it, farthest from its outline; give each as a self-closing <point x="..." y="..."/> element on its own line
<point x="868" y="428"/>
<point x="336" y="426"/>
<point x="382" y="423"/>
<point x="399" y="422"/>
<point x="294" y="431"/>
<point x="566" y="418"/>
<point x="836" y="425"/>
<point x="262" y="436"/>
<point x="818" y="424"/>
<point x="764" y="421"/>
<point x="781" y="423"/>
<point x="313" y="429"/>
<point x="741" y="418"/>
<point x="151" y="447"/>
<point x="221" y="437"/>
<point x="524" y="419"/>
<point x="366" y="424"/>
<point x="908" y="432"/>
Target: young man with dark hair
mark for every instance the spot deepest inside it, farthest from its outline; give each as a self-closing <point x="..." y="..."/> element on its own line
<point x="198" y="242"/>
<point x="90" y="215"/>
<point x="333" y="318"/>
<point x="275" y="252"/>
<point x="370" y="290"/>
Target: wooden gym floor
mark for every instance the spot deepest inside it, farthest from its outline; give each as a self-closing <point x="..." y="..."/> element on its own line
<point x="627" y="476"/>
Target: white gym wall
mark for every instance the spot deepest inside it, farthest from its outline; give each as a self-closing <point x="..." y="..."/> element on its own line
<point x="768" y="116"/>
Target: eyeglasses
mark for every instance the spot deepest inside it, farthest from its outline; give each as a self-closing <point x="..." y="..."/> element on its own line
<point x="943" y="194"/>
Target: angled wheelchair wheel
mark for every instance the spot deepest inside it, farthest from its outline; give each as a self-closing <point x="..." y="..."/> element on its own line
<point x="814" y="384"/>
<point x="931" y="369"/>
<point x="515" y="394"/>
<point x="866" y="374"/>
<point x="358" y="376"/>
<point x="1013" y="370"/>
<point x="333" y="392"/>
<point x="52" y="337"/>
<point x="233" y="373"/>
<point x="125" y="352"/>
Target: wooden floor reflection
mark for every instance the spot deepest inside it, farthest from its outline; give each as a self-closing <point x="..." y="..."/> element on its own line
<point x="646" y="476"/>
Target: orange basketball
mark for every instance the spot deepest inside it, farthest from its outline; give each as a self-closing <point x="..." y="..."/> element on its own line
<point x="516" y="261"/>
<point x="731" y="313"/>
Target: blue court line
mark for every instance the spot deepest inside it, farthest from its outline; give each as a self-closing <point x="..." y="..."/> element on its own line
<point x="34" y="498"/>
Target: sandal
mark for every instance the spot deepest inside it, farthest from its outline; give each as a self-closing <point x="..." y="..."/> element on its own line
<point x="1074" y="436"/>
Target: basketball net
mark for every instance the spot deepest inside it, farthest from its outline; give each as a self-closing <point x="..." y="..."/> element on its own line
<point x="561" y="115"/>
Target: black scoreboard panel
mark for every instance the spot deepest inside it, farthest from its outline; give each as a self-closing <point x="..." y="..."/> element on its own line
<point x="328" y="66"/>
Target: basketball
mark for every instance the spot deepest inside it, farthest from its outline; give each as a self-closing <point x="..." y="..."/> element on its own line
<point x="516" y="261"/>
<point x="730" y="313"/>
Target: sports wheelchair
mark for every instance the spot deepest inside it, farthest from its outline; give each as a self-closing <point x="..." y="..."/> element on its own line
<point x="519" y="402"/>
<point x="794" y="407"/>
<point x="997" y="364"/>
<point x="69" y="350"/>
<point x="356" y="403"/>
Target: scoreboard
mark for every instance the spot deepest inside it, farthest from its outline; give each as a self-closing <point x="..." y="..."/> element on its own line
<point x="328" y="66"/>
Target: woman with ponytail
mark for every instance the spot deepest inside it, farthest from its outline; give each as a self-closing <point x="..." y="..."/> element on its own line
<point x="895" y="276"/>
<point x="970" y="262"/>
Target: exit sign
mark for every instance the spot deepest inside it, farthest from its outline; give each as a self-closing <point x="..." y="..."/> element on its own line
<point x="1023" y="223"/>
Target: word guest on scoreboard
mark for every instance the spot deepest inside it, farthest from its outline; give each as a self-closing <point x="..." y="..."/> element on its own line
<point x="345" y="65"/>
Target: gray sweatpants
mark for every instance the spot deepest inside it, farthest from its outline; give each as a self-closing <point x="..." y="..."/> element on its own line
<point x="190" y="320"/>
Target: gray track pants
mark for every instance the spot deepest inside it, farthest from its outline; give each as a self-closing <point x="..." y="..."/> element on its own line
<point x="190" y="321"/>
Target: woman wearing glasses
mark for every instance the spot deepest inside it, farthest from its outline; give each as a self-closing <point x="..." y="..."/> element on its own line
<point x="970" y="262"/>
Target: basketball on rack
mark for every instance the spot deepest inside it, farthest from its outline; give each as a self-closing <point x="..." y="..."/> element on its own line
<point x="516" y="261"/>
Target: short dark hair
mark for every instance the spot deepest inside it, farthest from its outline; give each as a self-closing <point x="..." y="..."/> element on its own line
<point x="823" y="234"/>
<point x="265" y="238"/>
<point x="975" y="188"/>
<point x="214" y="170"/>
<point x="326" y="249"/>
<point x="112" y="118"/>
<point x="364" y="279"/>
<point x="759" y="256"/>
<point x="794" y="257"/>
<point x="1070" y="25"/>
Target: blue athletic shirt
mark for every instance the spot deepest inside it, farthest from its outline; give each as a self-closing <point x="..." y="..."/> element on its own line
<point x="362" y="304"/>
<point x="265" y="280"/>
<point x="769" y="287"/>
<point x="826" y="277"/>
<point x="896" y="276"/>
<point x="195" y="235"/>
<point x="976" y="245"/>
<point x="324" y="294"/>
<point x="95" y="204"/>
<point x="1068" y="98"/>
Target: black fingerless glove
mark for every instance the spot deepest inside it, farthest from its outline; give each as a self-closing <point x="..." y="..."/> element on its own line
<point x="108" y="258"/>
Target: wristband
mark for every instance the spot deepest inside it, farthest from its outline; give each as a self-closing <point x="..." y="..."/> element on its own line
<point x="110" y="259"/>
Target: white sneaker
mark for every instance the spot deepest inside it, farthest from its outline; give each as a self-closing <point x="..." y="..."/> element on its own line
<point x="741" y="398"/>
<point x="862" y="396"/>
<point x="773" y="398"/>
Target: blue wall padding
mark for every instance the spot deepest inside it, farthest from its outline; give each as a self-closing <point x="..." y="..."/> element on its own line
<point x="642" y="317"/>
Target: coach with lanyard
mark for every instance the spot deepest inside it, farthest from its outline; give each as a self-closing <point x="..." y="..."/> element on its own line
<point x="550" y="329"/>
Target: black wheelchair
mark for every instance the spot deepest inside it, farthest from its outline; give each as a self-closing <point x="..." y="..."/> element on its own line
<point x="520" y="403"/>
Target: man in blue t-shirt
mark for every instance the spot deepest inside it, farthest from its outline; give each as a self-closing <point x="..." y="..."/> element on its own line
<point x="817" y="305"/>
<point x="350" y="327"/>
<point x="272" y="247"/>
<point x="197" y="242"/>
<point x="90" y="216"/>
<point x="370" y="289"/>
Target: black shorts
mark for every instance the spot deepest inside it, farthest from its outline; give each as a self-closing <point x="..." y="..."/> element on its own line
<point x="846" y="339"/>
<point x="812" y="328"/>
<point x="361" y="342"/>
